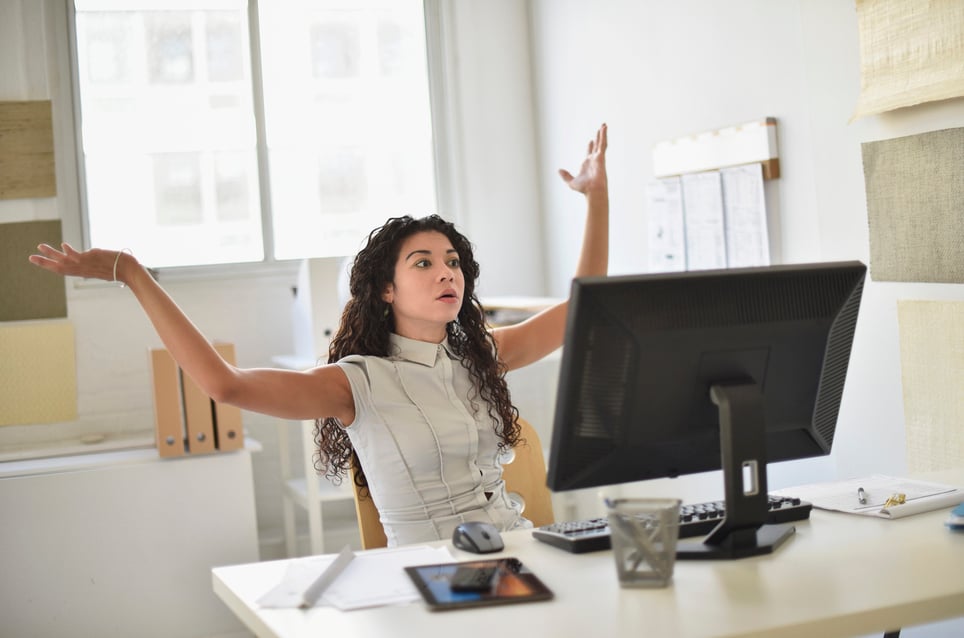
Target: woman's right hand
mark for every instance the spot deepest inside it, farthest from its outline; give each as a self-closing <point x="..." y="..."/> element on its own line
<point x="96" y="263"/>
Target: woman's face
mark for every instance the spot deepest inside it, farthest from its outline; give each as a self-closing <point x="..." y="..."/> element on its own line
<point x="428" y="288"/>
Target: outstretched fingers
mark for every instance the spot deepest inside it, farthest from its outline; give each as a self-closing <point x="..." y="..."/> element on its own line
<point x="592" y="172"/>
<point x="598" y="144"/>
<point x="48" y="250"/>
<point x="69" y="250"/>
<point x="602" y="138"/>
<point x="49" y="258"/>
<point x="94" y="263"/>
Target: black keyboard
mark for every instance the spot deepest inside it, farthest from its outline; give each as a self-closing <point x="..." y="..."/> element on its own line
<point x="697" y="519"/>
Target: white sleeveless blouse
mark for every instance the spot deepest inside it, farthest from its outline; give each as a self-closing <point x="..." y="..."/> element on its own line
<point x="429" y="455"/>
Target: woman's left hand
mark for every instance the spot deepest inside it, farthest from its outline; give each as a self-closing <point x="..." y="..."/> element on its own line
<point x="592" y="173"/>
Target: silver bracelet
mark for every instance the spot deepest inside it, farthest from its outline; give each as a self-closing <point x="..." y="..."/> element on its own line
<point x="117" y="259"/>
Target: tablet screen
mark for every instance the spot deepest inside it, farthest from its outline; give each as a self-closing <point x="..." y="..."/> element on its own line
<point x="510" y="582"/>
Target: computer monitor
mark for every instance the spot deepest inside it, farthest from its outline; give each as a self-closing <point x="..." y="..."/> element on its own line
<point x="671" y="374"/>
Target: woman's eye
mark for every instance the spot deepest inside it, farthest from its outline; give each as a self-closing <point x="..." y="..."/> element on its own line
<point x="455" y="263"/>
<point x="423" y="263"/>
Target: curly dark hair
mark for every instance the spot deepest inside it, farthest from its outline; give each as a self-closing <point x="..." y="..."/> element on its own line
<point x="367" y="322"/>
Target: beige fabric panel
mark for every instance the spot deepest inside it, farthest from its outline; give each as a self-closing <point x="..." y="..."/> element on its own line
<point x="911" y="52"/>
<point x="27" y="292"/>
<point x="932" y="369"/>
<point x="26" y="150"/>
<point x="915" y="199"/>
<point x="38" y="377"/>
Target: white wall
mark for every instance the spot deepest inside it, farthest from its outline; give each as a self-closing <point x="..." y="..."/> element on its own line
<point x="492" y="156"/>
<point x="661" y="69"/>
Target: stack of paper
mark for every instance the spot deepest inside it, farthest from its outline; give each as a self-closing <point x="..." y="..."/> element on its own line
<point x="347" y="581"/>
<point x="878" y="495"/>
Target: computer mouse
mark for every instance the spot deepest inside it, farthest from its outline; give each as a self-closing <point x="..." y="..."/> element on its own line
<point x="477" y="537"/>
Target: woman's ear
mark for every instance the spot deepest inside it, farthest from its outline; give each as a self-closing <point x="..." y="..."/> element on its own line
<point x="388" y="295"/>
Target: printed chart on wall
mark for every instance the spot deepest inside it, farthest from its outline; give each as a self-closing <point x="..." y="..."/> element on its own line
<point x="703" y="220"/>
<point x="745" y="216"/>
<point x="709" y="219"/>
<point x="667" y="239"/>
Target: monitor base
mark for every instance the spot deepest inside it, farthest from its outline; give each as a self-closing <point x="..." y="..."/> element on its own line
<point x="768" y="538"/>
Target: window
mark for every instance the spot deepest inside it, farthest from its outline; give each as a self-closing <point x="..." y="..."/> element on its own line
<point x="214" y="132"/>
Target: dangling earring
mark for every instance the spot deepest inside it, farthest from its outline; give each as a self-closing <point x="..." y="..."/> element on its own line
<point x="388" y="310"/>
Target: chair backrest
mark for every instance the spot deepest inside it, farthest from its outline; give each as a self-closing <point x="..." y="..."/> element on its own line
<point x="525" y="480"/>
<point x="369" y="526"/>
<point x="525" y="477"/>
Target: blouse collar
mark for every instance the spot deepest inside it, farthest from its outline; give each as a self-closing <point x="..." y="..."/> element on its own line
<point x="422" y="352"/>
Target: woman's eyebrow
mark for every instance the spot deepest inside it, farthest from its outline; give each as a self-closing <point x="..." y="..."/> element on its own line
<point x="420" y="251"/>
<point x="423" y="251"/>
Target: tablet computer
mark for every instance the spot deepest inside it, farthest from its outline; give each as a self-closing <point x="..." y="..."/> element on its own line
<point x="480" y="583"/>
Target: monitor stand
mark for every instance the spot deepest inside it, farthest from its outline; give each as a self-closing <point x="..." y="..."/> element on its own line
<point x="743" y="532"/>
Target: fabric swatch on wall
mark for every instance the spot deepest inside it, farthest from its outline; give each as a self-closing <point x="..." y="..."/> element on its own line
<point x="26" y="150"/>
<point x="27" y="292"/>
<point x="915" y="199"/>
<point x="38" y="378"/>
<point x="911" y="52"/>
<point x="932" y="369"/>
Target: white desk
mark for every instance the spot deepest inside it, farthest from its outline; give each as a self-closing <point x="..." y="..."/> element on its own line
<point x="839" y="575"/>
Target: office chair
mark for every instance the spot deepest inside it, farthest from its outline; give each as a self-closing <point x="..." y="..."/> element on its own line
<point x="525" y="480"/>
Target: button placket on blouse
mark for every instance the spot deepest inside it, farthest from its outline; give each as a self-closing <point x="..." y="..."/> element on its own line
<point x="472" y="443"/>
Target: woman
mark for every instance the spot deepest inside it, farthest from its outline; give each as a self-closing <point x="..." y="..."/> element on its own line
<point x="415" y="381"/>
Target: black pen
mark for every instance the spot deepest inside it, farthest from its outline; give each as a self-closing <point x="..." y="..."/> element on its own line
<point x="861" y="496"/>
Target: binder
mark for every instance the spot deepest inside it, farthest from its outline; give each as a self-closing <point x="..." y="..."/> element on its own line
<point x="228" y="432"/>
<point x="198" y="417"/>
<point x="187" y="421"/>
<point x="168" y="424"/>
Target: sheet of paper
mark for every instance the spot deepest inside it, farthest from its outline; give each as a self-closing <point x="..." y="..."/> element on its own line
<point x="303" y="585"/>
<point x="667" y="240"/>
<point x="298" y="578"/>
<point x="371" y="579"/>
<point x="703" y="215"/>
<point x="745" y="215"/>
<point x="843" y="496"/>
<point x="380" y="578"/>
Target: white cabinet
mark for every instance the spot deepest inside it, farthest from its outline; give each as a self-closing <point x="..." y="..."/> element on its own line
<point x="122" y="543"/>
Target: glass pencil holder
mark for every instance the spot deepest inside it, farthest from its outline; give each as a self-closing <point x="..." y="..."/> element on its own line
<point x="643" y="533"/>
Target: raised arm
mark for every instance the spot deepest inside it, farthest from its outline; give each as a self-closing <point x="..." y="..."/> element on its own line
<point x="320" y="392"/>
<point x="529" y="341"/>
